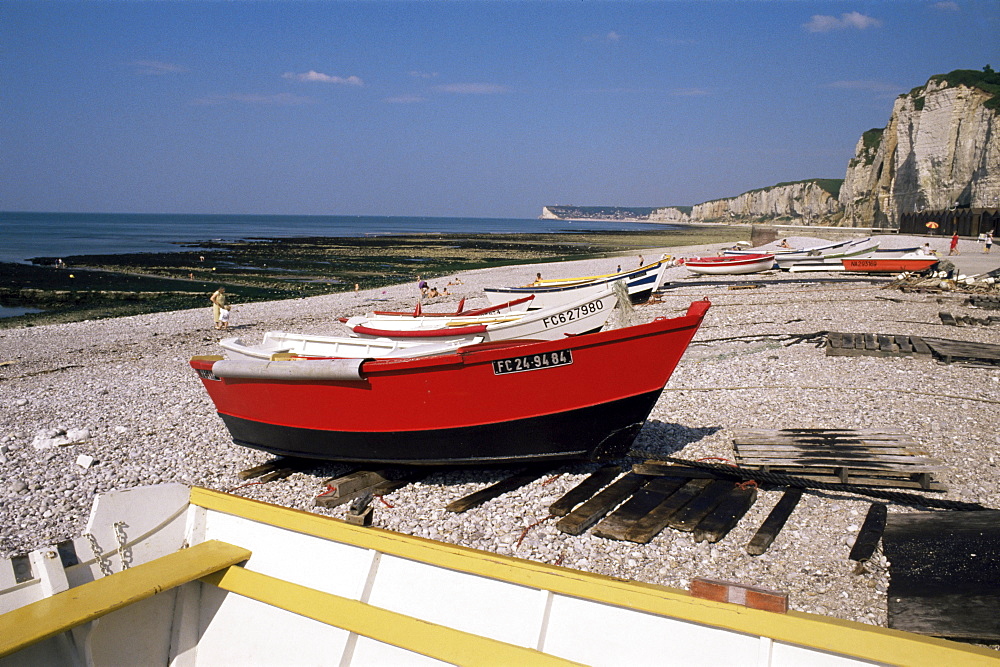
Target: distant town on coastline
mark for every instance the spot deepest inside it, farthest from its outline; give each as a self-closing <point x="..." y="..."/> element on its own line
<point x="899" y="175"/>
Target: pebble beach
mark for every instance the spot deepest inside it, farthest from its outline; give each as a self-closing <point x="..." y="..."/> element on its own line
<point x="92" y="406"/>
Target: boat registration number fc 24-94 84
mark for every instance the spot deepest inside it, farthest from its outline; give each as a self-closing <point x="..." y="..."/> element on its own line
<point x="532" y="362"/>
<point x="573" y="314"/>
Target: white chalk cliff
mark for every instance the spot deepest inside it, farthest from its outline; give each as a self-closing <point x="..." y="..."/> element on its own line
<point x="940" y="147"/>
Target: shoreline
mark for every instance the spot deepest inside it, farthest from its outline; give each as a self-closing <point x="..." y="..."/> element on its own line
<point x="126" y="381"/>
<point x="267" y="269"/>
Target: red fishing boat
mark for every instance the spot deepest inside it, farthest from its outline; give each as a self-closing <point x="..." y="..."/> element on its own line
<point x="730" y="264"/>
<point x="580" y="397"/>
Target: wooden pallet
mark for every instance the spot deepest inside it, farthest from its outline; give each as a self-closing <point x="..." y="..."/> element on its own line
<point x="964" y="352"/>
<point x="642" y="503"/>
<point x="893" y="345"/>
<point x="847" y="456"/>
<point x="874" y="345"/>
<point x="967" y="320"/>
<point x="991" y="301"/>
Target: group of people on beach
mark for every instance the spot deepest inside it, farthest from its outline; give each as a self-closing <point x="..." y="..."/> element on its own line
<point x="431" y="292"/>
<point x="986" y="239"/>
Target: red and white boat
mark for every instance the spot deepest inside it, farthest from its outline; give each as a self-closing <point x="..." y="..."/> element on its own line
<point x="586" y="314"/>
<point x="730" y="264"/>
<point x="907" y="262"/>
<point x="281" y="345"/>
<point x="580" y="397"/>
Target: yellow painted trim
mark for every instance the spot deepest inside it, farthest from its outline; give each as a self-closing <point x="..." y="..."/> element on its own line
<point x="809" y="630"/>
<point x="389" y="627"/>
<point x="64" y="611"/>
<point x="587" y="279"/>
<point x="207" y="357"/>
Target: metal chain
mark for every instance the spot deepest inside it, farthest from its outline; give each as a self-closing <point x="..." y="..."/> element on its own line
<point x="124" y="552"/>
<point x="98" y="556"/>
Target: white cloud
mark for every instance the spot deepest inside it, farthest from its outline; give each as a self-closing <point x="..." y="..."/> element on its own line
<point x="610" y="37"/>
<point x="416" y="74"/>
<point x="472" y="88"/>
<point x="157" y="68"/>
<point x="821" y="23"/>
<point x="281" y="99"/>
<point x="314" y="76"/>
<point x="947" y="6"/>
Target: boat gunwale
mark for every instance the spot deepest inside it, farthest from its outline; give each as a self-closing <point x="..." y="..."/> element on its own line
<point x="837" y="636"/>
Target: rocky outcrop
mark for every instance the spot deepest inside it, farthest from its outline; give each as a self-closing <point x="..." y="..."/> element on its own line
<point x="804" y="202"/>
<point x="940" y="149"/>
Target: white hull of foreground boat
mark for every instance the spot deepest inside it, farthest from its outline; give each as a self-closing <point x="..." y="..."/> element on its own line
<point x="218" y="579"/>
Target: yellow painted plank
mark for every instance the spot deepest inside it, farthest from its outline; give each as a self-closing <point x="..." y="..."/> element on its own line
<point x="406" y="632"/>
<point x="809" y="630"/>
<point x="61" y="612"/>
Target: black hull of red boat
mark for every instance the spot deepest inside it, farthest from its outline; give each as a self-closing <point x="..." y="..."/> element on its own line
<point x="598" y="432"/>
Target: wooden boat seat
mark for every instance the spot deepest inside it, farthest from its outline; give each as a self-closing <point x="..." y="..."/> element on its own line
<point x="64" y="611"/>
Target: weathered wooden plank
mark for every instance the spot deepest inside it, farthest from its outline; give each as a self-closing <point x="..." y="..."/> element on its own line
<point x="726" y="515"/>
<point x="380" y="489"/>
<point x="646" y="528"/>
<point x="881" y="463"/>
<point x="592" y="511"/>
<point x="774" y="522"/>
<point x="944" y="573"/>
<point x="664" y="469"/>
<point x="919" y="346"/>
<point x="884" y="481"/>
<point x="354" y="481"/>
<point x="870" y="533"/>
<point x="489" y="493"/>
<point x="688" y="517"/>
<point x="616" y="525"/>
<point x="904" y="344"/>
<point x="596" y="481"/>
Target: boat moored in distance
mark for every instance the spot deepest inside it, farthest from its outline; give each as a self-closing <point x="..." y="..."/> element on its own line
<point x="730" y="264"/>
<point x="588" y="313"/>
<point x="639" y="283"/>
<point x="198" y="577"/>
<point x="579" y="397"/>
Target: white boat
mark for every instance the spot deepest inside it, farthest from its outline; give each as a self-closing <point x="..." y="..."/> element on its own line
<point x="177" y="576"/>
<point x="730" y="264"/>
<point x="583" y="315"/>
<point x="857" y="248"/>
<point x="280" y="345"/>
<point x="550" y="293"/>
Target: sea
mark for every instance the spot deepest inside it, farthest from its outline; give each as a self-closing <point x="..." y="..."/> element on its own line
<point x="24" y="236"/>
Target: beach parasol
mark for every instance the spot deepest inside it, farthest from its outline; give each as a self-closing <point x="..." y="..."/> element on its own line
<point x="932" y="225"/>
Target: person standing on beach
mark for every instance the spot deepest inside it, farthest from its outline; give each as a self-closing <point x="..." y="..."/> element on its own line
<point x="988" y="241"/>
<point x="953" y="248"/>
<point x="219" y="301"/>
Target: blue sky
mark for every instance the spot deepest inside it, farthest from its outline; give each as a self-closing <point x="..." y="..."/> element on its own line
<point x="482" y="109"/>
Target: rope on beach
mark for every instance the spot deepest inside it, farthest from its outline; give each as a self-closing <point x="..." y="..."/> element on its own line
<point x="839" y="388"/>
<point x="909" y="499"/>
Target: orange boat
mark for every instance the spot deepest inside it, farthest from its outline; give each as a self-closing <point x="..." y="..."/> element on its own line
<point x="888" y="264"/>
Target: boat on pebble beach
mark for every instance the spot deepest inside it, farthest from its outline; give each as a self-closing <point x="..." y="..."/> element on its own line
<point x="911" y="262"/>
<point x="171" y="575"/>
<point x="587" y="313"/>
<point x="730" y="264"/>
<point x="503" y="402"/>
<point x="831" y="254"/>
<point x="639" y="283"/>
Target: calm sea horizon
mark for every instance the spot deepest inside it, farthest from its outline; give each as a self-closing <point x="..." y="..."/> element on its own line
<point x="25" y="235"/>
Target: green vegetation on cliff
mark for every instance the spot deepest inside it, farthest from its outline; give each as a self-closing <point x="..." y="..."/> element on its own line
<point x="987" y="80"/>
